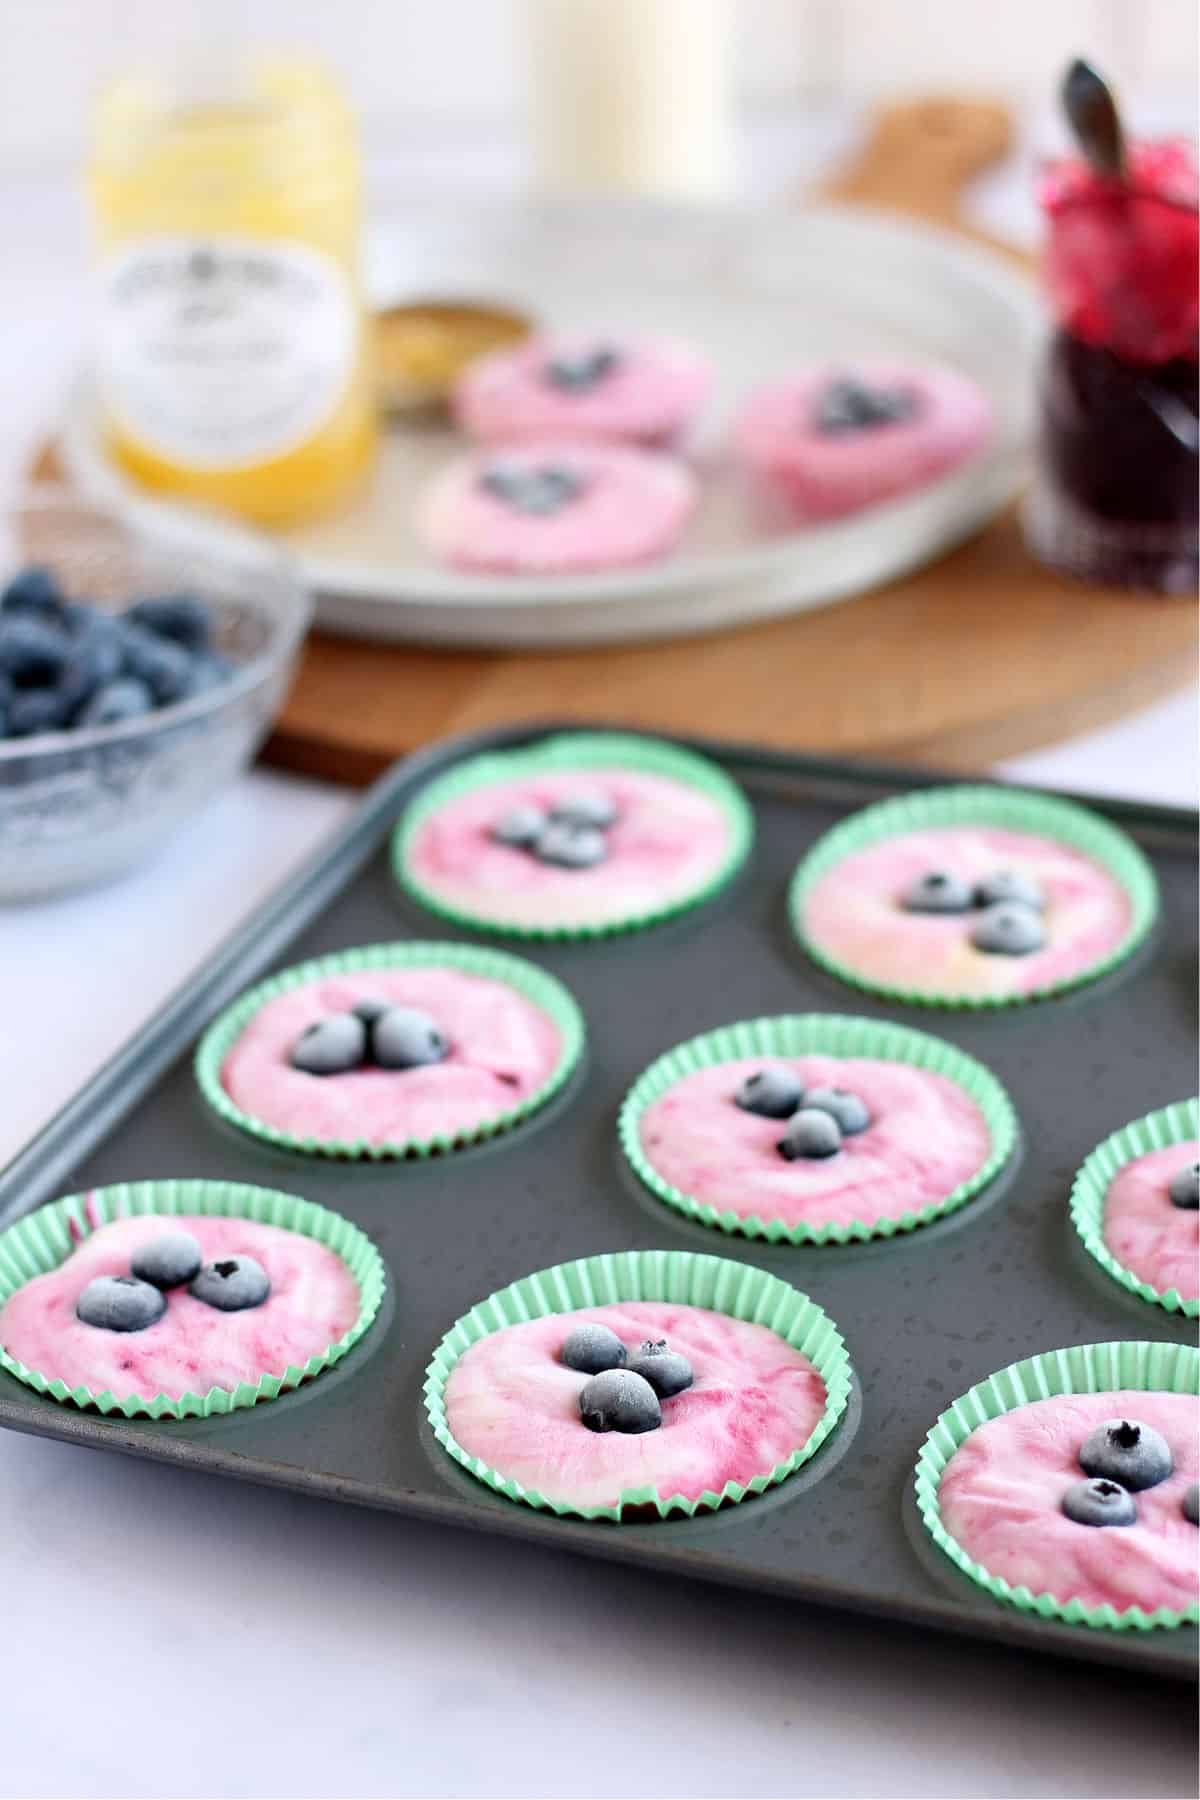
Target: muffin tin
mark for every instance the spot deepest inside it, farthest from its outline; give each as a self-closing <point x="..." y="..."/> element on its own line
<point x="924" y="1315"/>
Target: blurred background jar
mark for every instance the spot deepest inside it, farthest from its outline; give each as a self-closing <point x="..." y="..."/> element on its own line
<point x="232" y="353"/>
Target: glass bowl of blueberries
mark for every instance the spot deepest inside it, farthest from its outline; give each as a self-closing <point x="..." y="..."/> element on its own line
<point x="138" y="673"/>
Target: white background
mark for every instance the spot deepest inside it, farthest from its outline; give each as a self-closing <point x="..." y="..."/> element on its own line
<point x="167" y="1634"/>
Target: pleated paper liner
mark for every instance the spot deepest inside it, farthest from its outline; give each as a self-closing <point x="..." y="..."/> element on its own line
<point x="1173" y="1124"/>
<point x="494" y="965"/>
<point x="1085" y="1369"/>
<point x="712" y="1282"/>
<point x="819" y="1034"/>
<point x="553" y="755"/>
<point x="43" y="1240"/>
<point x="1008" y="809"/>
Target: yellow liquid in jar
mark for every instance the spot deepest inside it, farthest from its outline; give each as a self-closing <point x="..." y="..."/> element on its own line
<point x="234" y="351"/>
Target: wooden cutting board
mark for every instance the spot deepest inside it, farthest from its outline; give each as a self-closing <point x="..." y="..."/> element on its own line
<point x="980" y="655"/>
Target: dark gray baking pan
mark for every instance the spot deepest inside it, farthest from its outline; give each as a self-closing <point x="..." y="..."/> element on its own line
<point x="924" y="1316"/>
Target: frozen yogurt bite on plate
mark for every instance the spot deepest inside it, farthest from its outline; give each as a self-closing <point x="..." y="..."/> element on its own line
<point x="695" y="1383"/>
<point x="813" y="1128"/>
<point x="828" y="441"/>
<point x="1136" y="1205"/>
<point x="392" y="1050"/>
<point x="972" y="896"/>
<point x="584" y="387"/>
<point x="577" y="835"/>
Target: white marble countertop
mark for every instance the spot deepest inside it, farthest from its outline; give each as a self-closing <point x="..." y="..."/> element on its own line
<point x="171" y="1635"/>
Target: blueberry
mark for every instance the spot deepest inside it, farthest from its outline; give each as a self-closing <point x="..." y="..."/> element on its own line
<point x="850" y="405"/>
<point x="180" y="617"/>
<point x="1184" y="1187"/>
<point x="579" y="374"/>
<point x="115" y="702"/>
<point x="849" y="1111"/>
<point x="1191" y="1504"/>
<point x="810" y="1134"/>
<point x="569" y="847"/>
<point x="773" y="1093"/>
<point x="618" y="1400"/>
<point x="1008" y="930"/>
<point x="207" y="671"/>
<point x="168" y="1261"/>
<point x="404" y="1038"/>
<point x="370" y="1008"/>
<point x="590" y="807"/>
<point x="591" y="1349"/>
<point x="119" y="1303"/>
<point x="520" y="827"/>
<point x="1099" y="1502"/>
<point x="332" y="1046"/>
<point x="231" y="1284"/>
<point x="32" y="652"/>
<point x="32" y="710"/>
<point x="667" y="1372"/>
<point x="1123" y="1450"/>
<point x="538" y="492"/>
<point x="164" y="666"/>
<point x="33" y="591"/>
<point x="96" y="656"/>
<point x="1005" y="885"/>
<point x="937" y="892"/>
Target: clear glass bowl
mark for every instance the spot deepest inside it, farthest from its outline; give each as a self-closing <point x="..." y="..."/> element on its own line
<point x="78" y="806"/>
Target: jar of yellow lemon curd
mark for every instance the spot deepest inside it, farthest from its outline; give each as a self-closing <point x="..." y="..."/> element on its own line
<point x="232" y="344"/>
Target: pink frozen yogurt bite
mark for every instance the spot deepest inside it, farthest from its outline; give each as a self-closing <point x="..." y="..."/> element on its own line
<point x="193" y="1345"/>
<point x="913" y="914"/>
<point x="495" y="1050"/>
<point x="627" y="390"/>
<point x="912" y="1138"/>
<point x="560" y="849"/>
<point x="557" y="509"/>
<point x="1151" y="1223"/>
<point x="512" y="1402"/>
<point x="1003" y="1492"/>
<point x="832" y="440"/>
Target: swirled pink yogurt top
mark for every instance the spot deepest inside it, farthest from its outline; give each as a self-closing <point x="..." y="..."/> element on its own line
<point x="502" y="1049"/>
<point x="514" y="1404"/>
<point x="824" y="475"/>
<point x="1001" y="1500"/>
<point x="926" y="1136"/>
<point x="650" y="395"/>
<point x="1152" y="1238"/>
<point x="854" y="915"/>
<point x="314" y="1300"/>
<point x="668" y="841"/>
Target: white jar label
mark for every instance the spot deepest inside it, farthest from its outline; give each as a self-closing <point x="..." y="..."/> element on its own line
<point x="220" y="353"/>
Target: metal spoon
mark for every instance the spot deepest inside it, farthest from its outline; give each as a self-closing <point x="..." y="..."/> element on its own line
<point x="1092" y="113"/>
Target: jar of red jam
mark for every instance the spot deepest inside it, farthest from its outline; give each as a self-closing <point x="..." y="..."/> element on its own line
<point x="1115" y="494"/>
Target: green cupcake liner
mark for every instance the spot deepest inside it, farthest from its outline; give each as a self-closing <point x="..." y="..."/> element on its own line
<point x="44" y="1239"/>
<point x="1084" y="1369"/>
<point x="713" y="1282"/>
<point x="1170" y="1125"/>
<point x="534" y="983"/>
<point x="818" y="1034"/>
<point x="577" y="750"/>
<point x="1012" y="809"/>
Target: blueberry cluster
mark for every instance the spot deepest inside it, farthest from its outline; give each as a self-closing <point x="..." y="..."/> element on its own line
<point x="625" y="1392"/>
<point x="65" y="665"/>
<point x="569" y="836"/>
<point x="1184" y="1187"/>
<point x="1009" y="907"/>
<point x="538" y="490"/>
<point x="849" y="405"/>
<point x="371" y="1034"/>
<point x="1121" y="1457"/>
<point x="818" y="1119"/>
<point x="134" y="1301"/>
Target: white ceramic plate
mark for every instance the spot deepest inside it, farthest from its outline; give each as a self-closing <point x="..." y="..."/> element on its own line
<point x="761" y="290"/>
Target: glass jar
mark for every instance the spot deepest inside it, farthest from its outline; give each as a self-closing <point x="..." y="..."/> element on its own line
<point x="1115" y="491"/>
<point x="232" y="351"/>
